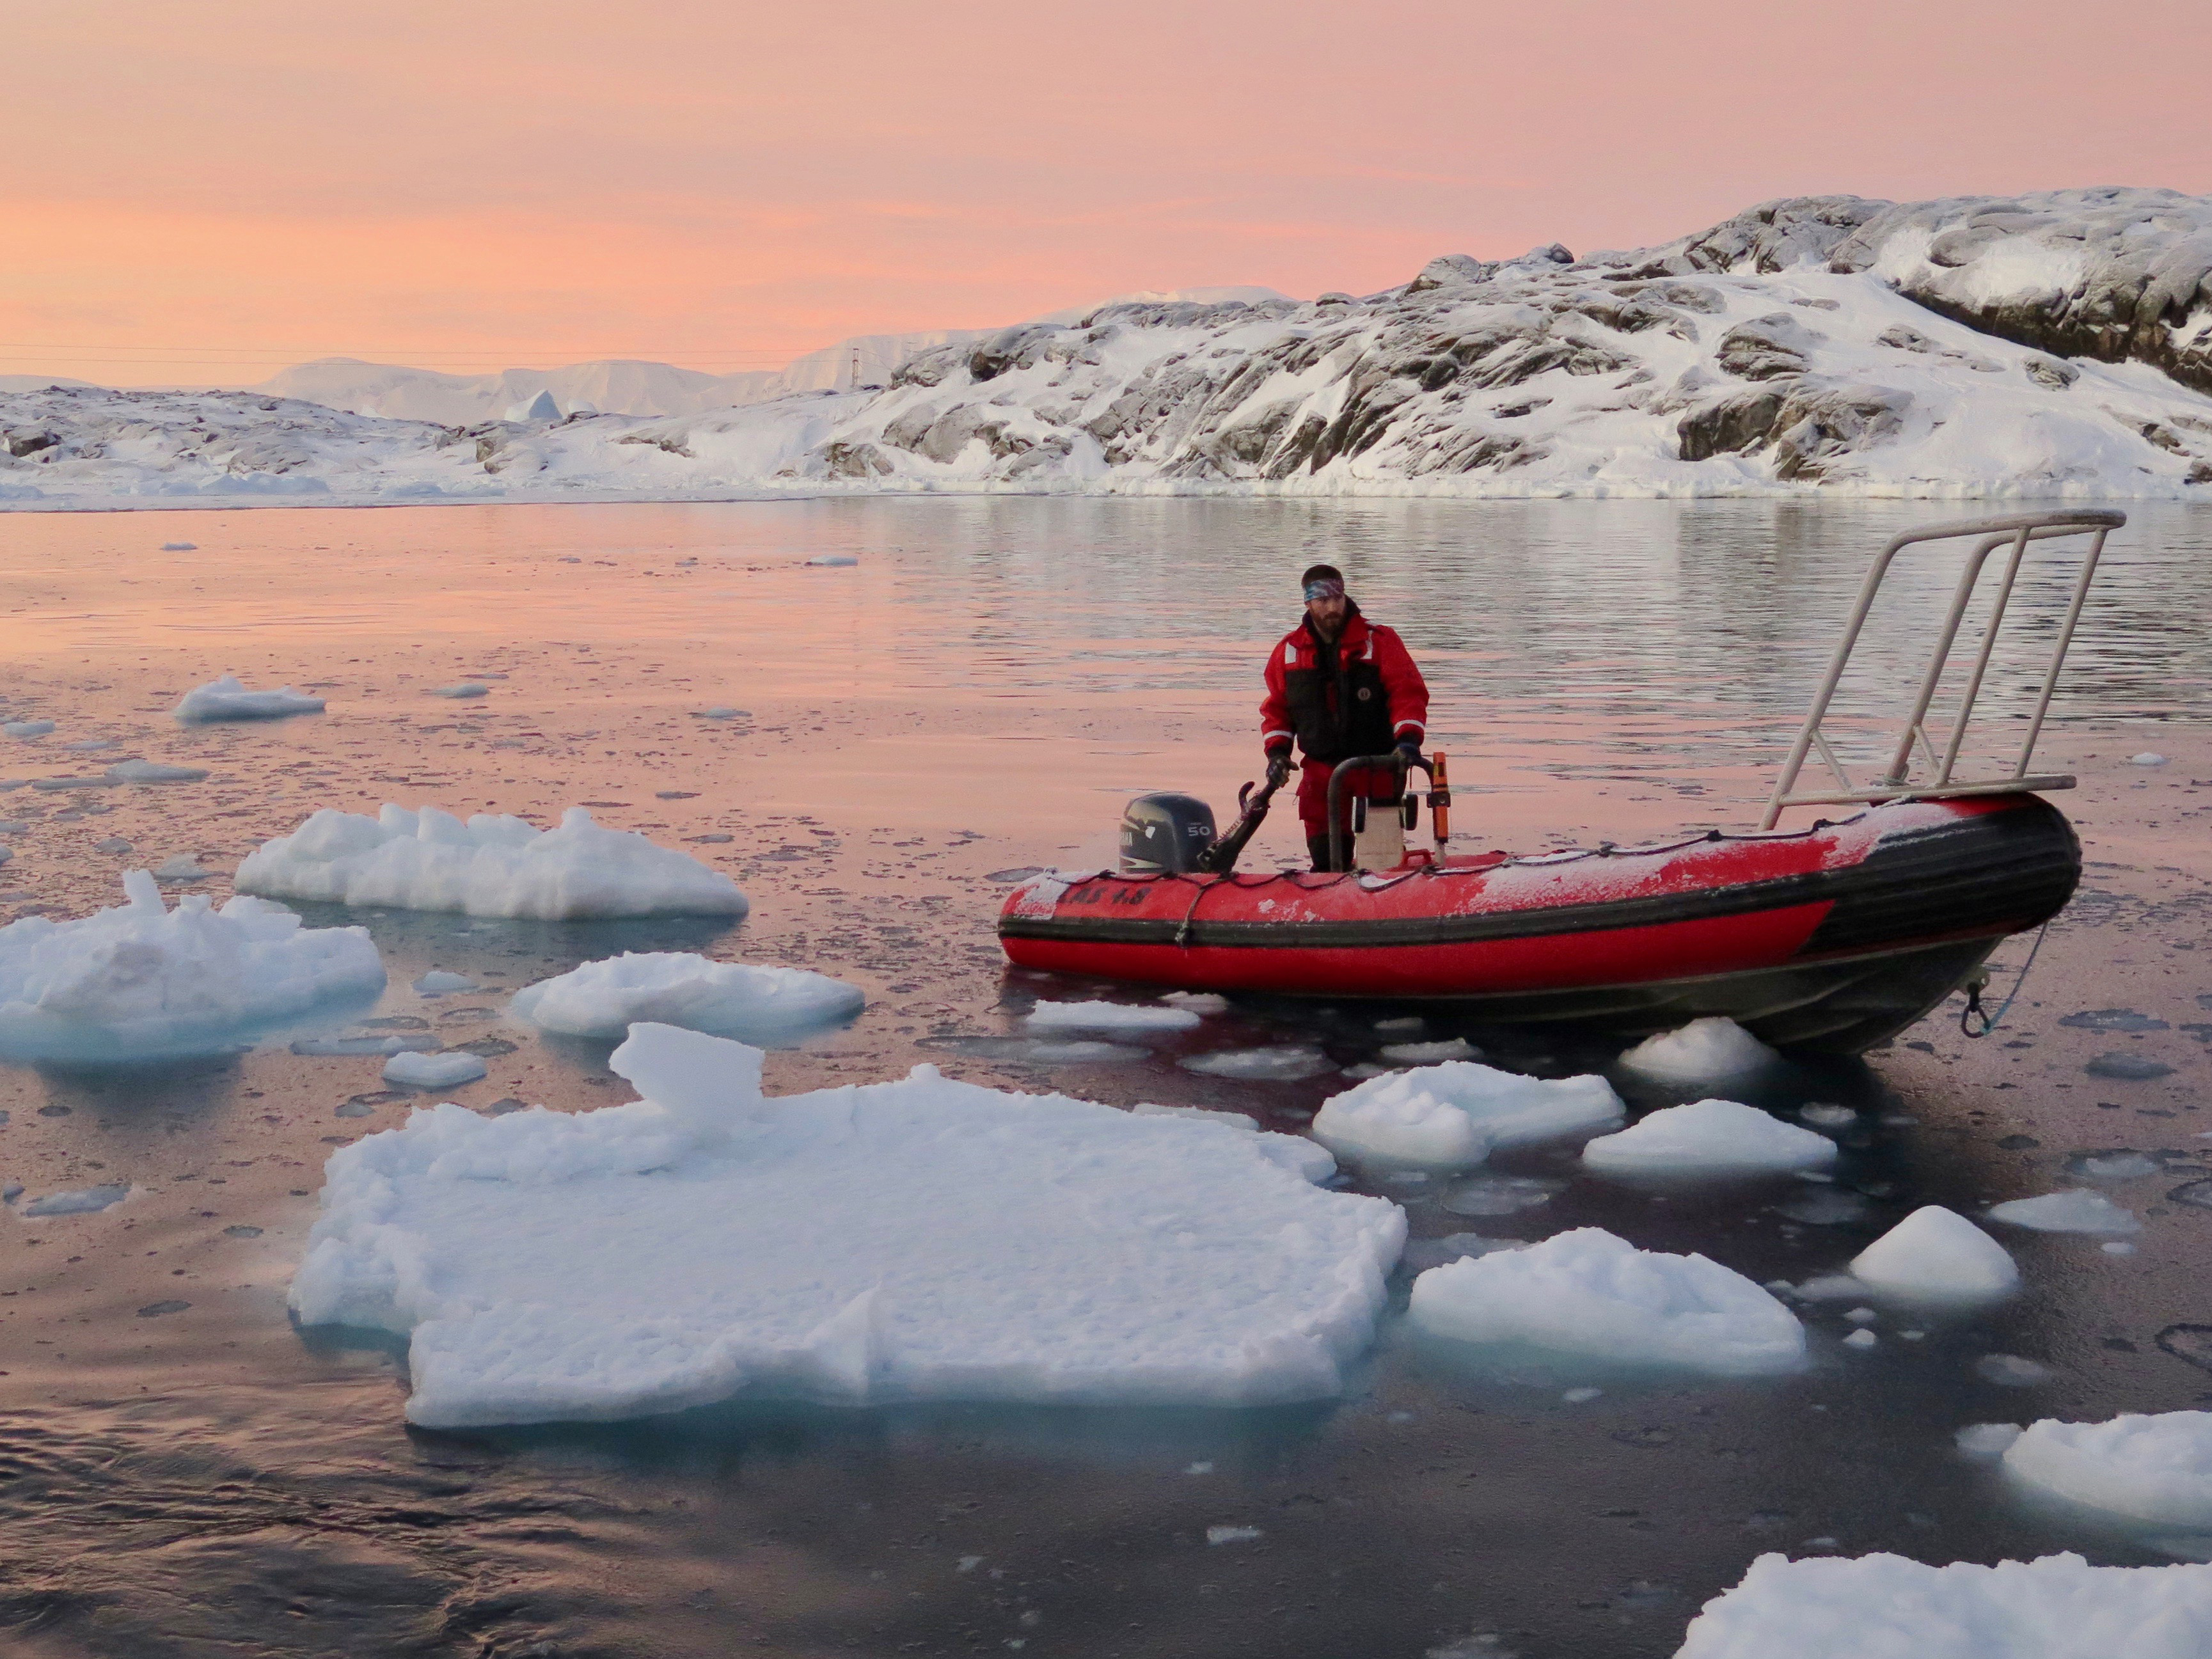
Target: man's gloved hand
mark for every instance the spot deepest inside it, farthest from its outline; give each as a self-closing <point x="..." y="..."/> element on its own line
<point x="1409" y="750"/>
<point x="1279" y="765"/>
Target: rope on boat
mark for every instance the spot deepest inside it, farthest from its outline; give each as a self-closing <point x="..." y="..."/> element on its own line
<point x="1973" y="1011"/>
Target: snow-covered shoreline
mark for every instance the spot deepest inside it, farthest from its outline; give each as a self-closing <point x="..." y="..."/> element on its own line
<point x="2056" y="346"/>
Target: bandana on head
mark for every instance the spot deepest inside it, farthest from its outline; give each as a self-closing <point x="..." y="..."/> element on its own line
<point x="1326" y="587"/>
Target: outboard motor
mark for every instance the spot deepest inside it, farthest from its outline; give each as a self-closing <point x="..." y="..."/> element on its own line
<point x="1162" y="835"/>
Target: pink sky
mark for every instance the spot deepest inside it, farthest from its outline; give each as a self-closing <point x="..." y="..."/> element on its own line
<point x="226" y="188"/>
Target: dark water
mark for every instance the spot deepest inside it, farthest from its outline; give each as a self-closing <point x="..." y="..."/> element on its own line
<point x="975" y="697"/>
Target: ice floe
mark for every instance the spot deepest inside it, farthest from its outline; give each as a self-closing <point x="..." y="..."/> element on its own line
<point x="1590" y="1293"/>
<point x="1937" y="1254"/>
<point x="228" y="699"/>
<point x="1709" y="1137"/>
<point x="1453" y="1116"/>
<point x="440" y="982"/>
<point x="2154" y="1468"/>
<point x="146" y="771"/>
<point x="27" y="728"/>
<point x="731" y="999"/>
<point x="2073" y="1211"/>
<point x="917" y="1239"/>
<point x="2056" y="1607"/>
<point x="486" y="866"/>
<point x="1286" y="1064"/>
<point x="1703" y="1050"/>
<point x="1109" y="1017"/>
<point x="142" y="982"/>
<point x="415" y="1070"/>
<point x="83" y="1201"/>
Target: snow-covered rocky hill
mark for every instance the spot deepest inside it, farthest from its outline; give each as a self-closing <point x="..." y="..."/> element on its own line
<point x="2051" y="344"/>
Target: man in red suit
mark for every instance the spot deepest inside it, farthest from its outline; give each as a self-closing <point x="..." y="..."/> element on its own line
<point x="1341" y="686"/>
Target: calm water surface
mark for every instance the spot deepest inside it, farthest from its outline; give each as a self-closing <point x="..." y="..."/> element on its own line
<point x="975" y="697"/>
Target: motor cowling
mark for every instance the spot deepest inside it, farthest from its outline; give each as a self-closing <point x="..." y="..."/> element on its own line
<point x="1162" y="835"/>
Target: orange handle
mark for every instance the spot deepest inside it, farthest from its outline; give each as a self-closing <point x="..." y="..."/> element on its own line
<point x="1439" y="800"/>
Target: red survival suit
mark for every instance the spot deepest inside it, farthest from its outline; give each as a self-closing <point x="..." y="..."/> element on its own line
<point x="1359" y="696"/>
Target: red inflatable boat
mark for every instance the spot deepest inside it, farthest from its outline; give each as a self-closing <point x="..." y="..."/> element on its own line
<point x="1831" y="938"/>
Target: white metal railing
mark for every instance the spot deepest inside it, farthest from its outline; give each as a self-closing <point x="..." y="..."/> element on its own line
<point x="1939" y="781"/>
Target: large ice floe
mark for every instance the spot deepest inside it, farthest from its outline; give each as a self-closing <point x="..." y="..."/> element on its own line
<point x="1710" y="1138"/>
<point x="489" y="866"/>
<point x="911" y="1240"/>
<point x="1453" y="1116"/>
<point x="1937" y="1254"/>
<point x="142" y="982"/>
<point x="2155" y="1468"/>
<point x="1596" y="1296"/>
<point x="1885" y="1606"/>
<point x="2053" y="343"/>
<point x="228" y="699"/>
<point x="766" y="1005"/>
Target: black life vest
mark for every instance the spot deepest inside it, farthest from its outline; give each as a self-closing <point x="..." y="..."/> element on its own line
<point x="1340" y="707"/>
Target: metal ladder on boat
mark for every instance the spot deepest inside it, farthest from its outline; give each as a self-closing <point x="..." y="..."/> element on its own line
<point x="1938" y="781"/>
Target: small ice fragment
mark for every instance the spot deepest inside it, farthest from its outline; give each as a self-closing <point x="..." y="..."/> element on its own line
<point x="1109" y="1017"/>
<point x="446" y="1070"/>
<point x="1589" y="1292"/>
<point x="2125" y="1068"/>
<point x="146" y="771"/>
<point x="1431" y="1054"/>
<point x="228" y="699"/>
<point x="55" y="786"/>
<point x="182" y="867"/>
<point x="1709" y="1137"/>
<point x="86" y="1201"/>
<point x="2115" y="1246"/>
<point x="2009" y="1370"/>
<point x="86" y="745"/>
<point x="1826" y="1114"/>
<point x="1912" y="1336"/>
<point x="969" y="1563"/>
<point x="2072" y="1210"/>
<point x="2148" y="757"/>
<point x="1276" y="1064"/>
<point x="1197" y="1002"/>
<point x="1936" y="1252"/>
<point x="27" y="728"/>
<point x="1492" y="1196"/>
<point x="1832" y="1287"/>
<point x="180" y="547"/>
<point x="110" y="845"/>
<point x="1703" y="1050"/>
<point x="1579" y="1396"/>
<point x="720" y="713"/>
<point x="488" y="867"/>
<point x="761" y="1004"/>
<point x="460" y="689"/>
<point x="438" y="982"/>
<point x="2154" y="1467"/>
<point x="2119" y="1165"/>
<point x="1861" y="1339"/>
<point x="1076" y="1052"/>
<point x="834" y="559"/>
<point x="1863" y="1316"/>
<point x="1213" y="1534"/>
<point x="1403" y="1023"/>
<point x="1453" y="1116"/>
<point x="1199" y="1468"/>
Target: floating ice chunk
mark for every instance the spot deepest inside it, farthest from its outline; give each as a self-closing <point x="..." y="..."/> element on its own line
<point x="462" y="689"/>
<point x="2057" y="1606"/>
<point x="719" y="712"/>
<point x="140" y="983"/>
<point x="1281" y="1065"/>
<point x="1500" y="1194"/>
<point x="1589" y="1292"/>
<point x="2073" y="1211"/>
<point x="730" y="999"/>
<point x="326" y="1047"/>
<point x="1827" y="1114"/>
<point x="2127" y="1068"/>
<point x="86" y="745"/>
<point x="180" y="547"/>
<point x="182" y="868"/>
<point x="488" y="867"/>
<point x="1705" y="1049"/>
<point x="1218" y="1534"/>
<point x="1862" y="1339"/>
<point x="27" y="728"/>
<point x="1452" y="1115"/>
<point x="438" y="982"/>
<point x="146" y="771"/>
<point x="86" y="1201"/>
<point x="228" y="699"/>
<point x="1109" y="1017"/>
<point x="2154" y="1468"/>
<point x="834" y="559"/>
<point x="1986" y="1441"/>
<point x="2119" y="1165"/>
<point x="1936" y="1252"/>
<point x="55" y="786"/>
<point x="1199" y="1002"/>
<point x="1431" y="1054"/>
<point x="420" y="1071"/>
<point x="921" y="1239"/>
<point x="2148" y="757"/>
<point x="1709" y="1137"/>
<point x="2009" y="1370"/>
